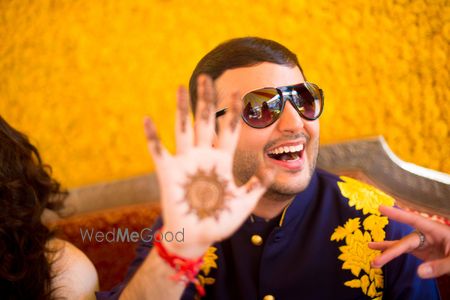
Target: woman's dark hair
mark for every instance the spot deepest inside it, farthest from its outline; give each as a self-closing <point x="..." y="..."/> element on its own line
<point x="26" y="189"/>
<point x="238" y="53"/>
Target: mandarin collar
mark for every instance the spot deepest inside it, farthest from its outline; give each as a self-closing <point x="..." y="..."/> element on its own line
<point x="298" y="206"/>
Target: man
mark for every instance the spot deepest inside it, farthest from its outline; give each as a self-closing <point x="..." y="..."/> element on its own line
<point x="260" y="221"/>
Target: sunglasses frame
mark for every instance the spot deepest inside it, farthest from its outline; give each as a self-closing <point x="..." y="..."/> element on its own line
<point x="285" y="93"/>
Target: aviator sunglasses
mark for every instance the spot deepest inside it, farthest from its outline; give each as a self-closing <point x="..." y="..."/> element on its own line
<point x="264" y="106"/>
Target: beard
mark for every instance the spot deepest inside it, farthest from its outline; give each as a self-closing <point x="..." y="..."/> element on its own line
<point x="247" y="163"/>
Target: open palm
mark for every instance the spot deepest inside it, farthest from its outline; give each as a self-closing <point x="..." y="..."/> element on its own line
<point x="198" y="192"/>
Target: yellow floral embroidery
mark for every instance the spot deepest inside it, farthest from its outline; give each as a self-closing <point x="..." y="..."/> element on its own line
<point x="205" y="280"/>
<point x="341" y="232"/>
<point x="209" y="262"/>
<point x="355" y="254"/>
<point x="363" y="196"/>
<point x="375" y="225"/>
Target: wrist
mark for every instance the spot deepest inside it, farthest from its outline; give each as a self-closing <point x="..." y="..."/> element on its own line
<point x="180" y="247"/>
<point x="186" y="269"/>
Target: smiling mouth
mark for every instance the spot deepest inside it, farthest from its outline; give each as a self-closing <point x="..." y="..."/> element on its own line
<point x="287" y="153"/>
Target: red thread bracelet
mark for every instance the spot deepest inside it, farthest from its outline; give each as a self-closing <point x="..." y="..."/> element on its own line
<point x="186" y="269"/>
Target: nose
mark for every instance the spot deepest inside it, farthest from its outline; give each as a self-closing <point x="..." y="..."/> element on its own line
<point x="290" y="120"/>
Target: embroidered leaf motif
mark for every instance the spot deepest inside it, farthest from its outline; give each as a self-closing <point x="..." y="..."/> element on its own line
<point x="372" y="222"/>
<point x="372" y="292"/>
<point x="209" y="260"/>
<point x="374" y="272"/>
<point x="355" y="254"/>
<point x="363" y="196"/>
<point x="365" y="283"/>
<point x="376" y="275"/>
<point x="352" y="225"/>
<point x="339" y="234"/>
<point x="355" y="283"/>
<point x="378" y="235"/>
<point x="342" y="232"/>
<point x="376" y="224"/>
<point x="205" y="280"/>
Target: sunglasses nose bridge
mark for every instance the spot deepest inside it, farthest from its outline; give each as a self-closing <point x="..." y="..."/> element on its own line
<point x="288" y="96"/>
<point x="290" y="116"/>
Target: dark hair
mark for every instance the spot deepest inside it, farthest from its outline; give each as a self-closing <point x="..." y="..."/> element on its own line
<point x="237" y="53"/>
<point x="26" y="189"/>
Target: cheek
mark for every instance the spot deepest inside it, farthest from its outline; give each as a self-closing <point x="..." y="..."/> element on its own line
<point x="313" y="129"/>
<point x="252" y="140"/>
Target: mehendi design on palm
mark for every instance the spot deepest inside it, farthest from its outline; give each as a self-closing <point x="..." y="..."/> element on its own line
<point x="207" y="194"/>
<point x="198" y="191"/>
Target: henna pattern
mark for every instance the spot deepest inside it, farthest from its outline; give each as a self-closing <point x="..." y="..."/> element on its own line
<point x="157" y="147"/>
<point x="153" y="136"/>
<point x="207" y="194"/>
<point x="206" y="112"/>
<point x="183" y="111"/>
<point x="209" y="98"/>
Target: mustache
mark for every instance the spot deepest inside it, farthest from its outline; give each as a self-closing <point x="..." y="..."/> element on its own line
<point x="287" y="138"/>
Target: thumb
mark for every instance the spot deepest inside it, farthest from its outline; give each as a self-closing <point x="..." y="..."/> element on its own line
<point x="434" y="268"/>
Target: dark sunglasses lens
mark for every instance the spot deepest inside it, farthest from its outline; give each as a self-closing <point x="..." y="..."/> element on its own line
<point x="309" y="101"/>
<point x="261" y="107"/>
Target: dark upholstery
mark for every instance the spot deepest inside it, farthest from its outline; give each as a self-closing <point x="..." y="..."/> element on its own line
<point x="110" y="259"/>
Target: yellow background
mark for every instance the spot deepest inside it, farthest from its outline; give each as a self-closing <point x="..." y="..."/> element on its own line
<point x="78" y="75"/>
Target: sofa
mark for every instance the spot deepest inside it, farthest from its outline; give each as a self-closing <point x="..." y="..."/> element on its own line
<point x="133" y="203"/>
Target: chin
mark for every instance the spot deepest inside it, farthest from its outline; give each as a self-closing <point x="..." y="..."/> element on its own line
<point x="287" y="184"/>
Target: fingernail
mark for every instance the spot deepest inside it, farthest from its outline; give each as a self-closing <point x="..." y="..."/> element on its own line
<point x="425" y="271"/>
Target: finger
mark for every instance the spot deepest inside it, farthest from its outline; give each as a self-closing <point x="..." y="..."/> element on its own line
<point x="381" y="245"/>
<point x="405" y="245"/>
<point x="229" y="127"/>
<point x="402" y="216"/>
<point x="156" y="149"/>
<point x="182" y="124"/>
<point x="205" y="111"/>
<point x="251" y="192"/>
<point x="246" y="199"/>
<point x="259" y="182"/>
<point x="434" y="268"/>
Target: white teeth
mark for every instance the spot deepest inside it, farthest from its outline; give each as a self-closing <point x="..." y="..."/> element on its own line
<point x="287" y="149"/>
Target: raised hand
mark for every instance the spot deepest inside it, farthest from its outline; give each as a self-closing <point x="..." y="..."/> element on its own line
<point x="198" y="192"/>
<point x="435" y="250"/>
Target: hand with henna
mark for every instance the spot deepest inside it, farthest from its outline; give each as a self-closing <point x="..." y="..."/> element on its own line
<point x="435" y="248"/>
<point x="198" y="192"/>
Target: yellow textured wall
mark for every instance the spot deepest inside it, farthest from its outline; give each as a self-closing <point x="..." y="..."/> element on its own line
<point x="79" y="75"/>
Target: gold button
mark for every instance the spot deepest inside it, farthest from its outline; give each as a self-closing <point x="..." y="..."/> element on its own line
<point x="257" y="241"/>
<point x="269" y="297"/>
